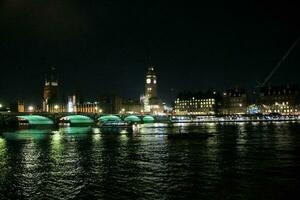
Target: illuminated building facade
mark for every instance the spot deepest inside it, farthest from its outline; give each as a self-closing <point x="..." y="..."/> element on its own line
<point x="89" y="107"/>
<point x="234" y="101"/>
<point x="57" y="108"/>
<point x="71" y="106"/>
<point x="279" y="99"/>
<point x="196" y="103"/>
<point x="17" y="106"/>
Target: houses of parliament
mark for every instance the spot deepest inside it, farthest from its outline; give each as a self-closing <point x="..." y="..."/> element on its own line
<point x="149" y="102"/>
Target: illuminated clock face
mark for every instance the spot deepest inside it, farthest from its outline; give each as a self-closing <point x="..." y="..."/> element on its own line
<point x="154" y="81"/>
<point x="148" y="80"/>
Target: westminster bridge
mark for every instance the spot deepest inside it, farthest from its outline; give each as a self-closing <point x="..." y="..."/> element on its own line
<point x="11" y="119"/>
<point x="46" y="118"/>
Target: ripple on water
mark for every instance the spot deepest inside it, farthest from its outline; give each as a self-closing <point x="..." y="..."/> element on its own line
<point x="240" y="161"/>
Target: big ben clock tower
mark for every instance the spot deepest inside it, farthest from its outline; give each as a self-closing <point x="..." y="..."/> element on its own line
<point x="151" y="83"/>
<point x="152" y="103"/>
<point x="50" y="95"/>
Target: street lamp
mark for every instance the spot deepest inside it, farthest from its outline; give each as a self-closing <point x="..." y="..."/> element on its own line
<point x="30" y="108"/>
<point x="56" y="107"/>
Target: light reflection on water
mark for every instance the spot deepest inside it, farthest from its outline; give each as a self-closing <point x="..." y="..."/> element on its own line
<point x="241" y="160"/>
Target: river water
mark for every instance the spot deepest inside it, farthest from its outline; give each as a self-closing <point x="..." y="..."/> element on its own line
<point x="238" y="161"/>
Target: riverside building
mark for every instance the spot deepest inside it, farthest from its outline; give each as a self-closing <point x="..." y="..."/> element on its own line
<point x="234" y="101"/>
<point x="279" y="99"/>
<point x="196" y="104"/>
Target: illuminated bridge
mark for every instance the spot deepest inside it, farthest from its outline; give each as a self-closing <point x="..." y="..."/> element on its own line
<point x="16" y="119"/>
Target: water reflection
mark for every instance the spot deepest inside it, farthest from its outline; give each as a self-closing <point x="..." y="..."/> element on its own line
<point x="75" y="130"/>
<point x="27" y="134"/>
<point x="241" y="160"/>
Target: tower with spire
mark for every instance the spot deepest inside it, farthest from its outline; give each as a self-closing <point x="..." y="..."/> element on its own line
<point x="151" y="83"/>
<point x="50" y="94"/>
<point x="152" y="104"/>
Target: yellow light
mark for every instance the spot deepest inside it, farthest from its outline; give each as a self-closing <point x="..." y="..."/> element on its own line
<point x="56" y="107"/>
<point x="0" y="105"/>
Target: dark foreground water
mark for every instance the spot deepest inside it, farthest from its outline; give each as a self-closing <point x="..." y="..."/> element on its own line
<point x="239" y="161"/>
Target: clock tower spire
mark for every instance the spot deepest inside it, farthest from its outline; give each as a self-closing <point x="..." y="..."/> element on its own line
<point x="151" y="83"/>
<point x="152" y="103"/>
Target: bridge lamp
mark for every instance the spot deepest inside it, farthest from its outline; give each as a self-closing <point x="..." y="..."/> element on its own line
<point x="122" y="111"/>
<point x="56" y="107"/>
<point x="30" y="108"/>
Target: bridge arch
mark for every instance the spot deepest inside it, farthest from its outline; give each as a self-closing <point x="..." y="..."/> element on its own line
<point x="148" y="119"/>
<point x="132" y="118"/>
<point x="35" y="119"/>
<point x="109" y="118"/>
<point x="77" y="119"/>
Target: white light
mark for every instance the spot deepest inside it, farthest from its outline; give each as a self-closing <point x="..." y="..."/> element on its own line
<point x="0" y="105"/>
<point x="30" y="108"/>
<point x="70" y="106"/>
<point x="56" y="107"/>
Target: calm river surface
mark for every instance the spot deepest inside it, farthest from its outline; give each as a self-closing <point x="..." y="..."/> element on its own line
<point x="239" y="161"/>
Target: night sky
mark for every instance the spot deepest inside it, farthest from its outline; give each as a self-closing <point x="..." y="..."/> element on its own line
<point x="104" y="46"/>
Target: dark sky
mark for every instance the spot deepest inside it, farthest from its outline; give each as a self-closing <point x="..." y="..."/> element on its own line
<point x="103" y="46"/>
